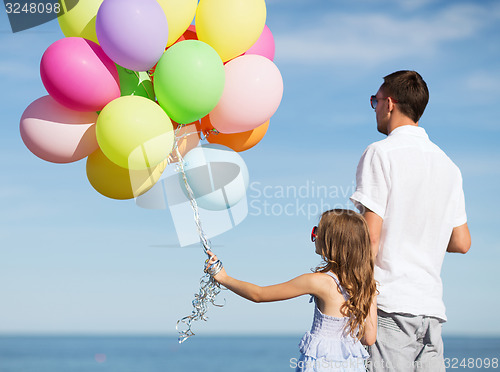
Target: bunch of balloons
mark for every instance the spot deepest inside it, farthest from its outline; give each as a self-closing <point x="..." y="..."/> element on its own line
<point x="132" y="78"/>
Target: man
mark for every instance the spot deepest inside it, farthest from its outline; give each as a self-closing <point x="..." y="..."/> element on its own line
<point x="411" y="195"/>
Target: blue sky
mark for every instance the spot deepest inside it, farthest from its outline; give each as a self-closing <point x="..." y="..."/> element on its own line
<point x="72" y="261"/>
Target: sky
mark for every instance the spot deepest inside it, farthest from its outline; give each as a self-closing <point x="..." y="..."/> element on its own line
<point x="75" y="262"/>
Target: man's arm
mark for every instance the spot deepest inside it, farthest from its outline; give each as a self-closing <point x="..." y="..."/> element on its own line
<point x="460" y="240"/>
<point x="374" y="222"/>
<point x="370" y="335"/>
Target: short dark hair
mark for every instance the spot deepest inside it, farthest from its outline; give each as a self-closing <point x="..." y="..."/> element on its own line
<point x="410" y="90"/>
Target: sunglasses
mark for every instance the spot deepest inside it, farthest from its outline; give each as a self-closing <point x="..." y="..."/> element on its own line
<point x="313" y="234"/>
<point x="374" y="101"/>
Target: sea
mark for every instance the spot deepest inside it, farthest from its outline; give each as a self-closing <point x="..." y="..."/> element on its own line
<point x="199" y="353"/>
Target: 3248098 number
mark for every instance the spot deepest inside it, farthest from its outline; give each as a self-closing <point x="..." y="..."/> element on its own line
<point x="32" y="8"/>
<point x="471" y="363"/>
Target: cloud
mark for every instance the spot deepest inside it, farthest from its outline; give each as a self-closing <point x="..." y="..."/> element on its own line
<point x="29" y="211"/>
<point x="471" y="95"/>
<point x="21" y="54"/>
<point x="377" y="38"/>
<point x="413" y="4"/>
<point x="8" y="192"/>
<point x="483" y="83"/>
<point x="16" y="71"/>
<point x="475" y="166"/>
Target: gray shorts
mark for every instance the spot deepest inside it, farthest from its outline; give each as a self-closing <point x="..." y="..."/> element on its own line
<point x="407" y="343"/>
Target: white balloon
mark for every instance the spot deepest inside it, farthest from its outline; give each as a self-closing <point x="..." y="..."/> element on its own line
<point x="217" y="175"/>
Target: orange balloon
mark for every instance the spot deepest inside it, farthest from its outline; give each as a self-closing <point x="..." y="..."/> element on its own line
<point x="236" y="141"/>
<point x="187" y="139"/>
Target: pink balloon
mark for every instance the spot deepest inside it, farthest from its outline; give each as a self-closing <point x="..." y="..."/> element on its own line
<point x="252" y="94"/>
<point x="264" y="46"/>
<point x="57" y="134"/>
<point x="79" y="75"/>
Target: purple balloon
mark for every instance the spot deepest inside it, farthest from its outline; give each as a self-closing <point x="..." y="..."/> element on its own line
<point x="133" y="33"/>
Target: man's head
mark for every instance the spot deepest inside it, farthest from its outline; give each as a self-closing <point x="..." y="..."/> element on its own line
<point x="403" y="93"/>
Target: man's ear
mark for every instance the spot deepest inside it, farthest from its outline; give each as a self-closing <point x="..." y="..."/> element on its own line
<point x="390" y="104"/>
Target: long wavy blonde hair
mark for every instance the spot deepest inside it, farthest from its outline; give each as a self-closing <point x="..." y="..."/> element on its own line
<point x="343" y="241"/>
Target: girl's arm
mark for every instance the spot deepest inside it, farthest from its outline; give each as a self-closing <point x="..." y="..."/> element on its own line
<point x="298" y="286"/>
<point x="370" y="335"/>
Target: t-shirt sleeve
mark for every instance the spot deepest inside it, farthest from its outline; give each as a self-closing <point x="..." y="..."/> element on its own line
<point x="372" y="182"/>
<point x="460" y="215"/>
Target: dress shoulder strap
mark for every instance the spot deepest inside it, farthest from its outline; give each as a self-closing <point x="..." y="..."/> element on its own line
<point x="342" y="289"/>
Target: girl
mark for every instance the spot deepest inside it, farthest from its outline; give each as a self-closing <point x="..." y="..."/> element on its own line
<point x="343" y="289"/>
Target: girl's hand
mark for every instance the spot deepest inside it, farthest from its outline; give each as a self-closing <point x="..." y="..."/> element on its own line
<point x="219" y="277"/>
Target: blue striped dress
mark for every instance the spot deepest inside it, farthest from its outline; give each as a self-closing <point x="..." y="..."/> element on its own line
<point x="327" y="347"/>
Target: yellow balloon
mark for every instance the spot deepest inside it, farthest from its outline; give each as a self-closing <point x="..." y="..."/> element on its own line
<point x="180" y="14"/>
<point x="79" y="21"/>
<point x="231" y="27"/>
<point x="116" y="182"/>
<point x="134" y="132"/>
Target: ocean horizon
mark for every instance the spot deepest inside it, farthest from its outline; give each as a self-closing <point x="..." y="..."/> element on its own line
<point x="228" y="353"/>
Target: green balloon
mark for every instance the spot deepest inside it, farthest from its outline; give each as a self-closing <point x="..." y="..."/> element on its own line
<point x="189" y="80"/>
<point x="135" y="83"/>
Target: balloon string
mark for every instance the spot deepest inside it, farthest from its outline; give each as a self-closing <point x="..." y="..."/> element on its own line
<point x="192" y="200"/>
<point x="209" y="132"/>
<point x="209" y="288"/>
<point x="177" y="138"/>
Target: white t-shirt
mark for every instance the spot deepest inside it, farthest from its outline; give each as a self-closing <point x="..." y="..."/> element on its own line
<point x="417" y="190"/>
